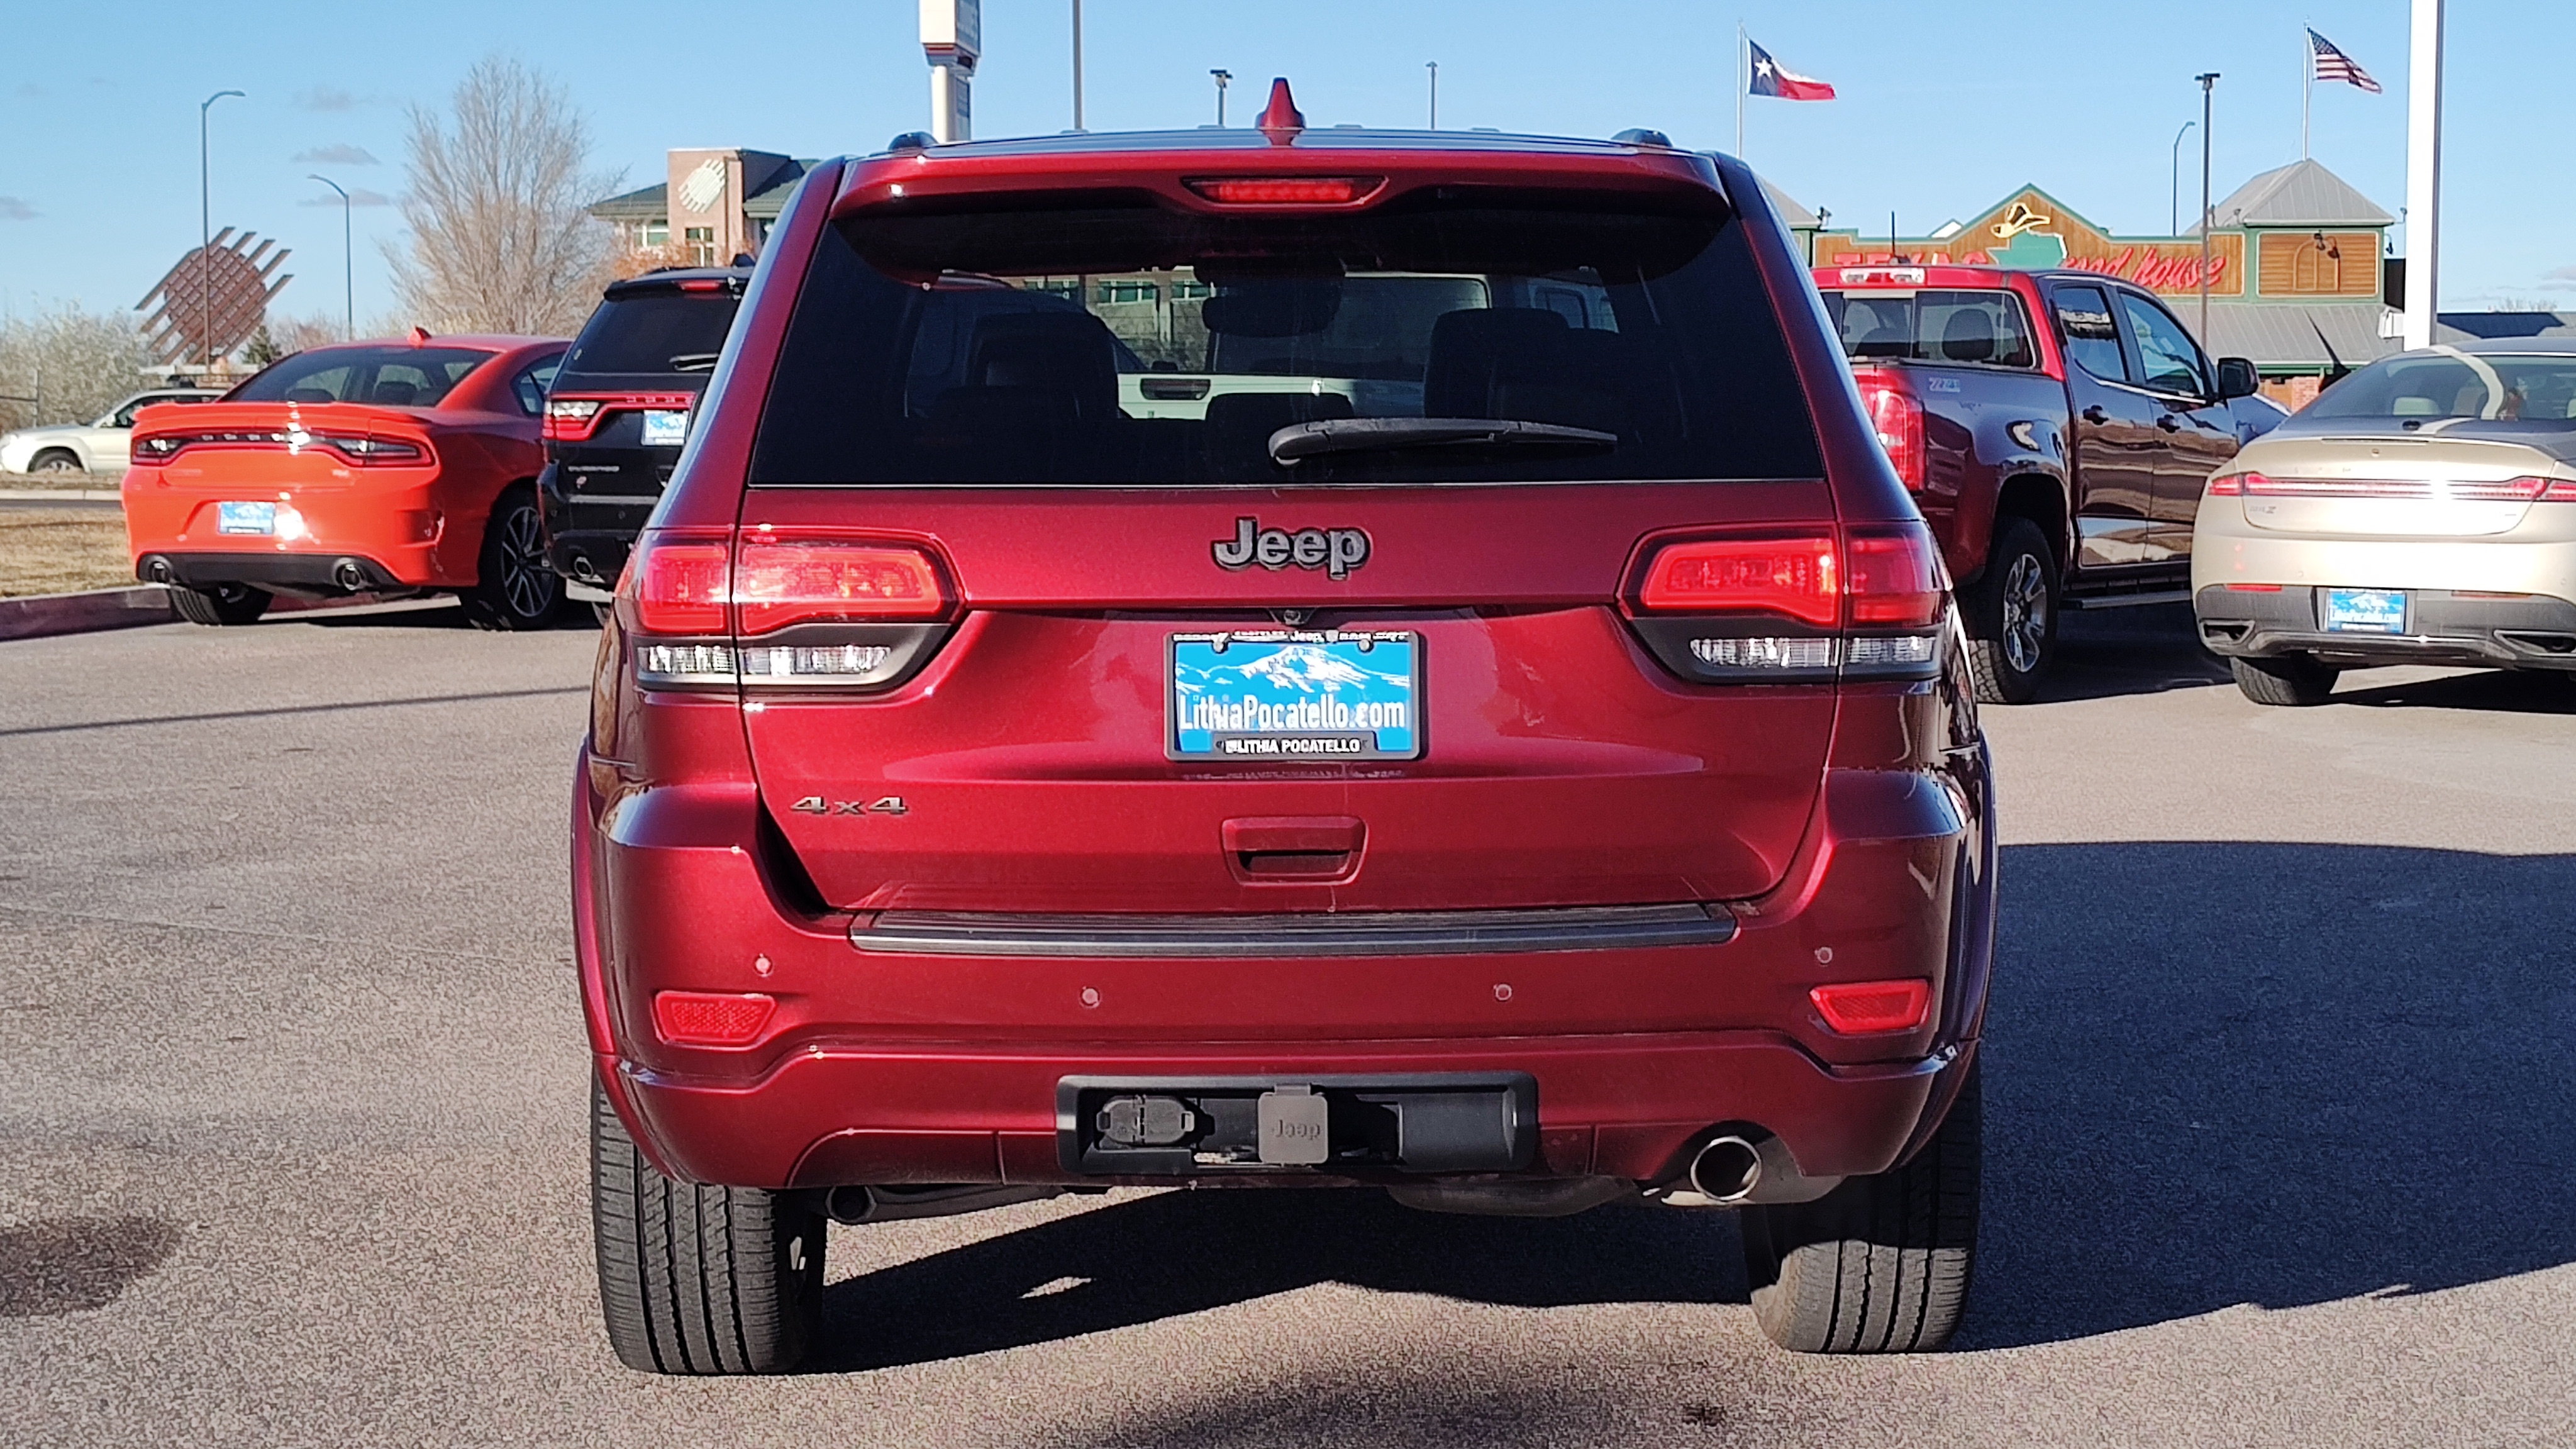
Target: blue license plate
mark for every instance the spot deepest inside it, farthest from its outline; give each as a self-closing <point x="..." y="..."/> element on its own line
<point x="2365" y="611"/>
<point x="246" y="518"/>
<point x="1294" y="694"/>
<point x="665" y="429"/>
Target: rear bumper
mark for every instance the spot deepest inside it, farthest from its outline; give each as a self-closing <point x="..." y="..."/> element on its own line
<point x="918" y="1067"/>
<point x="2529" y="632"/>
<point x="588" y="538"/>
<point x="405" y="527"/>
<point x="302" y="573"/>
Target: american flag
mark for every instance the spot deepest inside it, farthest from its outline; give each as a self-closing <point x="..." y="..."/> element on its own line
<point x="2329" y="64"/>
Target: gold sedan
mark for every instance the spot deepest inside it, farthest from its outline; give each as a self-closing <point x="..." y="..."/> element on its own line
<point x="2421" y="511"/>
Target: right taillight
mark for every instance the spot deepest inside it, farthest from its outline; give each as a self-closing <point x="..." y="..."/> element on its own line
<point x="774" y="611"/>
<point x="1897" y="418"/>
<point x="1864" y="603"/>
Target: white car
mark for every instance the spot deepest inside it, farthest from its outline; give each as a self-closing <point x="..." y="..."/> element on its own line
<point x="98" y="447"/>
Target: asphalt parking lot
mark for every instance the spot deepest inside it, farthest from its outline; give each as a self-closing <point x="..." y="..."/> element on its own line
<point x="2281" y="1139"/>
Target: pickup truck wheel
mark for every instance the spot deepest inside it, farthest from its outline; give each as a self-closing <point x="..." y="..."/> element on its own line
<point x="221" y="604"/>
<point x="515" y="589"/>
<point x="1880" y="1264"/>
<point x="696" y="1279"/>
<point x="2293" y="679"/>
<point x="56" y="460"/>
<point x="2011" y="614"/>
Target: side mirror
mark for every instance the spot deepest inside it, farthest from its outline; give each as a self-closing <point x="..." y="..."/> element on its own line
<point x="2237" y="378"/>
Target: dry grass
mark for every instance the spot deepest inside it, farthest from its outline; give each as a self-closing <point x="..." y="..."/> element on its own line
<point x="61" y="551"/>
<point x="68" y="482"/>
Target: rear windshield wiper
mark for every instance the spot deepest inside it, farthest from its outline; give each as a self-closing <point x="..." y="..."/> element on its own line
<point x="1373" y="435"/>
<point x="694" y="362"/>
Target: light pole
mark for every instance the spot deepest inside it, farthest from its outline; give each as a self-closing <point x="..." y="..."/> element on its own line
<point x="1222" y="76"/>
<point x="206" y="231"/>
<point x="2173" y="198"/>
<point x="348" y="257"/>
<point x="1435" y="93"/>
<point x="1077" y="64"/>
<point x="2423" y="173"/>
<point x="2208" y="83"/>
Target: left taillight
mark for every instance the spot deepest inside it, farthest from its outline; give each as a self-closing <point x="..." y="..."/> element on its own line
<point x="1865" y="602"/>
<point x="774" y="610"/>
<point x="570" y="419"/>
<point x="1896" y="416"/>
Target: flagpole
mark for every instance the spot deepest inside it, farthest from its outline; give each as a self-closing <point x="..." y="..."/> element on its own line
<point x="2307" y="87"/>
<point x="1741" y="83"/>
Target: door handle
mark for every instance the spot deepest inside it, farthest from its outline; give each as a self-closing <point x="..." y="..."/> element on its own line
<point x="2096" y="416"/>
<point x="2167" y="423"/>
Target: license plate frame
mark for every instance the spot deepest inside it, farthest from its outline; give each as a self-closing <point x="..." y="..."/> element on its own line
<point x="254" y="520"/>
<point x="1294" y="696"/>
<point x="666" y="427"/>
<point x="2364" y="611"/>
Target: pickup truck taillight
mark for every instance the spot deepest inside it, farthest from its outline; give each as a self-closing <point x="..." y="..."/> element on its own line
<point x="778" y="610"/>
<point x="1865" y="603"/>
<point x="1897" y="418"/>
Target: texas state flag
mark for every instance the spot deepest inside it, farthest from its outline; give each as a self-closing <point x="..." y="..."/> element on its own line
<point x="1771" y="78"/>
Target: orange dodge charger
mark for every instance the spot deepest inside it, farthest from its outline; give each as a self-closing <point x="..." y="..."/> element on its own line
<point x="369" y="467"/>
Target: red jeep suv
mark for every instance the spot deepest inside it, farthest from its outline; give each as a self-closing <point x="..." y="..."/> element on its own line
<point x="1281" y="658"/>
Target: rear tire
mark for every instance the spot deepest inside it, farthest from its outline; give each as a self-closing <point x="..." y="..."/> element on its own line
<point x="696" y="1279"/>
<point x="2011" y="614"/>
<point x="221" y="604"/>
<point x="1880" y="1264"/>
<point x="514" y="589"/>
<point x="56" y="460"/>
<point x="2289" y="679"/>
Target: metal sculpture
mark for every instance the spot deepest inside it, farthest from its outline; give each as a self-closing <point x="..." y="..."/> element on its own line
<point x="213" y="299"/>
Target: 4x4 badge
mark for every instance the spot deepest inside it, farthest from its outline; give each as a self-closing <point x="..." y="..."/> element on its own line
<point x="817" y="805"/>
<point x="1336" y="551"/>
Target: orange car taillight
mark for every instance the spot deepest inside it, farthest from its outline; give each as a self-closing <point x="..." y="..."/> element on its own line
<point x="1897" y="418"/>
<point x="1864" y="603"/>
<point x="778" y="610"/>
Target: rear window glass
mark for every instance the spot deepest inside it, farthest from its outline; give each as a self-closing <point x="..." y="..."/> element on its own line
<point x="1974" y="326"/>
<point x="1134" y="343"/>
<point x="2484" y="387"/>
<point x="659" y="331"/>
<point x="409" y="377"/>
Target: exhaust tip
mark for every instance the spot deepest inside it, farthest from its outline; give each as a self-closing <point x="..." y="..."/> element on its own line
<point x="351" y="575"/>
<point x="1727" y="1169"/>
<point x="849" y="1205"/>
<point x="157" y="570"/>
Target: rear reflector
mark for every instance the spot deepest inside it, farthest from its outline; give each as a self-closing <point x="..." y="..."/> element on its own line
<point x="1856" y="1008"/>
<point x="1287" y="190"/>
<point x="711" y="1018"/>
<point x="2253" y="588"/>
<point x="1799" y="577"/>
<point x="778" y="582"/>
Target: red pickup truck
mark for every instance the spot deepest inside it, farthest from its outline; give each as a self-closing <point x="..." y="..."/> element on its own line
<point x="2055" y="427"/>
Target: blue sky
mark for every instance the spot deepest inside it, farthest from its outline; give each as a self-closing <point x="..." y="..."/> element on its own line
<point x="1944" y="108"/>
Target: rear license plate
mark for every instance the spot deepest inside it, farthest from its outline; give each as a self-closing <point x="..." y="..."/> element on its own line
<point x="2365" y="611"/>
<point x="665" y="429"/>
<point x="245" y="518"/>
<point x="1294" y="694"/>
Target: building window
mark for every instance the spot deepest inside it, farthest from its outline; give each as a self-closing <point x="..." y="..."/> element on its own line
<point x="652" y="235"/>
<point x="1129" y="291"/>
<point x="1071" y="291"/>
<point x="701" y="241"/>
<point x="1192" y="291"/>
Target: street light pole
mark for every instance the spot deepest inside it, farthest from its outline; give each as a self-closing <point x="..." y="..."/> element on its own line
<point x="2173" y="189"/>
<point x="1222" y="76"/>
<point x="1435" y="93"/>
<point x="348" y="257"/>
<point x="2208" y="83"/>
<point x="2423" y="173"/>
<point x="206" y="232"/>
<point x="1077" y="64"/>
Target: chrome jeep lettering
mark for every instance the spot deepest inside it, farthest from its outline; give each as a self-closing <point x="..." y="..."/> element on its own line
<point x="1336" y="551"/>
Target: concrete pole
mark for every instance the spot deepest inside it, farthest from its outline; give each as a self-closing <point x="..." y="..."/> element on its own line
<point x="2208" y="83"/>
<point x="2423" y="172"/>
<point x="1077" y="64"/>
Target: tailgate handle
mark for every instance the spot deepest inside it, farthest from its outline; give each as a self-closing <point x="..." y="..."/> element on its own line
<point x="1293" y="847"/>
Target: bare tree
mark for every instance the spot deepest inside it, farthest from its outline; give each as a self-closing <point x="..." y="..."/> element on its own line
<point x="68" y="366"/>
<point x="499" y="240"/>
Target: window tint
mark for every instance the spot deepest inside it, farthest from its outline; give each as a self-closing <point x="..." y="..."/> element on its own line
<point x="2168" y="358"/>
<point x="531" y="385"/>
<point x="644" y="332"/>
<point x="1139" y="344"/>
<point x="417" y="377"/>
<point x="2092" y="340"/>
<point x="1935" y="326"/>
<point x="2487" y="387"/>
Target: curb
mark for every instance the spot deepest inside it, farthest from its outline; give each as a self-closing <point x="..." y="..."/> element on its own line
<point x="63" y="495"/>
<point x="40" y="615"/>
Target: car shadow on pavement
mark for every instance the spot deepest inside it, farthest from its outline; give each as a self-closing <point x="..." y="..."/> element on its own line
<point x="2504" y="691"/>
<point x="2147" y="649"/>
<point x="2217" y="1073"/>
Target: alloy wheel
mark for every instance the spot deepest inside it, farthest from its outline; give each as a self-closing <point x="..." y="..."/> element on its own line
<point x="523" y="580"/>
<point x="2025" y="621"/>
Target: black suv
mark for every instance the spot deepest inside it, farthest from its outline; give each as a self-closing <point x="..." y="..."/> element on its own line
<point x="620" y="408"/>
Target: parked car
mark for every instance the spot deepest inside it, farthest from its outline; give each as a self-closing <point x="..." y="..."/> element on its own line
<point x="1562" y="790"/>
<point x="619" y="411"/>
<point x="98" y="447"/>
<point x="370" y="467"/>
<point x="2055" y="427"/>
<point x="2421" y="511"/>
